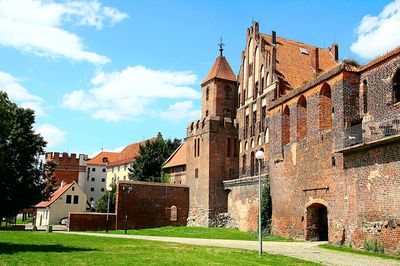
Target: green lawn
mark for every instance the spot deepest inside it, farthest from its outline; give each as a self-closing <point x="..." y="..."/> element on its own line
<point x="39" y="248"/>
<point x="350" y="250"/>
<point x="201" y="232"/>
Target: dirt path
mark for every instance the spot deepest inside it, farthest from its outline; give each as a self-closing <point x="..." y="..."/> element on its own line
<point x="302" y="250"/>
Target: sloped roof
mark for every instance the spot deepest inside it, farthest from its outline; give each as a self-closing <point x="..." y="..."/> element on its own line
<point x="55" y="196"/>
<point x="381" y="58"/>
<point x="293" y="67"/>
<point x="98" y="159"/>
<point x="129" y="153"/>
<point x="178" y="157"/>
<point x="221" y="69"/>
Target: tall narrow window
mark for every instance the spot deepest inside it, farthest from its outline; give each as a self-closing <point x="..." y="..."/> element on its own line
<point x="396" y="87"/>
<point x="235" y="148"/>
<point x="325" y="106"/>
<point x="68" y="199"/>
<point x="195" y="148"/>
<point x="286" y="126"/>
<point x="301" y="118"/>
<point x="207" y="93"/>
<point x="256" y="90"/>
<point x="365" y="96"/>
<point x="228" y="144"/>
<point x="198" y="147"/>
<point x="76" y="199"/>
<point x="244" y="164"/>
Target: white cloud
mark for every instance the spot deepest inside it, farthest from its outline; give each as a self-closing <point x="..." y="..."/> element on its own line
<point x="35" y="26"/>
<point x="378" y="34"/>
<point x="181" y="110"/>
<point x="130" y="93"/>
<point x="52" y="134"/>
<point x="21" y="95"/>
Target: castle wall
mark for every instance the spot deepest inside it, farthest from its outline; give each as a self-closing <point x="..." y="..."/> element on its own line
<point x="69" y="168"/>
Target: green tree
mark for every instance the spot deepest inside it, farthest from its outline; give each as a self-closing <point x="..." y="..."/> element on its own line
<point x="147" y="165"/>
<point x="101" y="205"/>
<point x="49" y="180"/>
<point x="20" y="147"/>
<point x="266" y="207"/>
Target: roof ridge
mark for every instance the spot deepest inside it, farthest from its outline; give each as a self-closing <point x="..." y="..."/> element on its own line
<point x="294" y="41"/>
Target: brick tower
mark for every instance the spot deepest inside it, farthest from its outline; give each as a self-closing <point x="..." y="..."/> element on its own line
<point x="212" y="145"/>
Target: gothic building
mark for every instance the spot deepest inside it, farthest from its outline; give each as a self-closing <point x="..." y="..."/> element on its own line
<point x="330" y="132"/>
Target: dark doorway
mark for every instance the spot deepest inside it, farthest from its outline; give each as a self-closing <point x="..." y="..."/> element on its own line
<point x="317" y="222"/>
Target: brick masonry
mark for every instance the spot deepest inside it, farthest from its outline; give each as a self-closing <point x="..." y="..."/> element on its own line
<point x="90" y="221"/>
<point x="151" y="204"/>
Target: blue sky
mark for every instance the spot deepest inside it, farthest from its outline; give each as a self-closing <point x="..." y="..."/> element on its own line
<point x="110" y="73"/>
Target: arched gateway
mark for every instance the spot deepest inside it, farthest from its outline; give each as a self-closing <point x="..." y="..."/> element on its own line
<point x="317" y="222"/>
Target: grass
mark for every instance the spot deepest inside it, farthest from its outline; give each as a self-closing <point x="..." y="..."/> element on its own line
<point x="202" y="232"/>
<point x="361" y="252"/>
<point x="27" y="220"/>
<point x="35" y="248"/>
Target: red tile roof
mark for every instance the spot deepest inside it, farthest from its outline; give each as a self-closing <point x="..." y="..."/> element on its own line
<point x="129" y="153"/>
<point x="55" y="196"/>
<point x="221" y="69"/>
<point x="177" y="158"/>
<point x="293" y="67"/>
<point x="98" y="159"/>
<point x="381" y="58"/>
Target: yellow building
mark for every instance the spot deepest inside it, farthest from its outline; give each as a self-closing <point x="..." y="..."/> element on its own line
<point x="118" y="169"/>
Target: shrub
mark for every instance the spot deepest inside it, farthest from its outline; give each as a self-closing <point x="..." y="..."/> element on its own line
<point x="373" y="246"/>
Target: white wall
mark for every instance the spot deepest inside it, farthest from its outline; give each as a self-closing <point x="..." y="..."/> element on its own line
<point x="99" y="175"/>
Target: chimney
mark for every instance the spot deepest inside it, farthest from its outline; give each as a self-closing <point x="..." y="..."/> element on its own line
<point x="335" y="51"/>
<point x="316" y="61"/>
<point x="62" y="184"/>
<point x="273" y="61"/>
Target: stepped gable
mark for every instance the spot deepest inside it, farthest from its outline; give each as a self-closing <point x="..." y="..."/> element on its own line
<point x="221" y="70"/>
<point x="294" y="67"/>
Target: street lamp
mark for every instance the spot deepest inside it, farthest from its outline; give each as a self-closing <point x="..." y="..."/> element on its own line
<point x="259" y="156"/>
<point x="109" y="189"/>
<point x="127" y="190"/>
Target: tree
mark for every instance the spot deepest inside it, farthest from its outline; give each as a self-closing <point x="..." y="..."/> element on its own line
<point x="49" y="179"/>
<point x="266" y="207"/>
<point x="20" y="148"/>
<point x="147" y="165"/>
<point x="101" y="205"/>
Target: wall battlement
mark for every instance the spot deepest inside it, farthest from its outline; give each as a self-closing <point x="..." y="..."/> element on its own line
<point x="211" y="123"/>
<point x="64" y="156"/>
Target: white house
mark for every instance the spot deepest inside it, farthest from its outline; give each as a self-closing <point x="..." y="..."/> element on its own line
<point x="68" y="198"/>
<point x="96" y="175"/>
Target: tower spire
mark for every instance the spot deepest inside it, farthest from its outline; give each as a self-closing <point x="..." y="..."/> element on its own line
<point x="221" y="47"/>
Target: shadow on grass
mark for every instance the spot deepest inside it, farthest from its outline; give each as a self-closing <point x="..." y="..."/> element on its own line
<point x="10" y="248"/>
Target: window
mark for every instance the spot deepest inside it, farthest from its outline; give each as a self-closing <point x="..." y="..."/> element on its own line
<point x="125" y="167"/>
<point x="92" y="189"/>
<point x="206" y="113"/>
<point x="207" y="93"/>
<point x="301" y="118"/>
<point x="365" y="96"/>
<point x="76" y="199"/>
<point x="303" y="50"/>
<point x="102" y="189"/>
<point x="396" y="87"/>
<point x="91" y="199"/>
<point x="73" y="188"/>
<point x="266" y="136"/>
<point x="198" y="147"/>
<point x="228" y="144"/>
<point x="104" y="170"/>
<point x="174" y="214"/>
<point x="325" y="108"/>
<point x="103" y="180"/>
<point x="286" y="126"/>
<point x="235" y="148"/>
<point x="93" y="169"/>
<point x="68" y="200"/>
<point x="195" y="148"/>
<point x="93" y="179"/>
<point x="196" y="173"/>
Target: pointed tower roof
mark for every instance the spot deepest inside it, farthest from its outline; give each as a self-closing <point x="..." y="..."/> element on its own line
<point x="221" y="69"/>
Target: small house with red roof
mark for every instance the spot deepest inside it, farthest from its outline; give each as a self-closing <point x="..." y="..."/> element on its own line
<point x="68" y="198"/>
<point x="175" y="165"/>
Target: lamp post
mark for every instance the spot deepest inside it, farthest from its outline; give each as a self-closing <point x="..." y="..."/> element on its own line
<point x="127" y="190"/>
<point x="259" y="156"/>
<point x="109" y="189"/>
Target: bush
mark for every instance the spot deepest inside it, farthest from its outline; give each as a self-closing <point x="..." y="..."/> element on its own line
<point x="373" y="246"/>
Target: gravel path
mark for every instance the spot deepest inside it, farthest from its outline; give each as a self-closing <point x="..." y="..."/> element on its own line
<point x="302" y="250"/>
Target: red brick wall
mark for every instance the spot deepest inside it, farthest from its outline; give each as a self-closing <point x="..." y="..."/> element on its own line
<point x="90" y="221"/>
<point x="67" y="168"/>
<point x="149" y="204"/>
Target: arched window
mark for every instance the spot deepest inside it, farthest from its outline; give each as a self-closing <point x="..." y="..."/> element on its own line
<point x="396" y="87"/>
<point x="365" y="96"/>
<point x="286" y="126"/>
<point x="246" y="146"/>
<point x="266" y="135"/>
<point x="207" y="93"/>
<point x="325" y="105"/>
<point x="240" y="147"/>
<point x="259" y="141"/>
<point x="252" y="143"/>
<point x="301" y="118"/>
